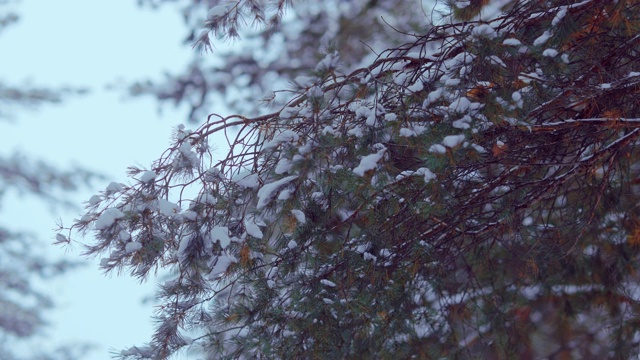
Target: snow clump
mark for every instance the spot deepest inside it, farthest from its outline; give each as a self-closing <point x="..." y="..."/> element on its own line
<point x="148" y="176"/>
<point x="369" y="162"/>
<point x="107" y="218"/>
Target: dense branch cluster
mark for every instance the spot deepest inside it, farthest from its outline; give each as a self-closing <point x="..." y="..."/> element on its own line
<point x="279" y="46"/>
<point x="470" y="193"/>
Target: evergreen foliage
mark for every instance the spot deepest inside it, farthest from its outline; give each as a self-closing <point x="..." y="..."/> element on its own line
<point x="282" y="44"/>
<point x="469" y="194"/>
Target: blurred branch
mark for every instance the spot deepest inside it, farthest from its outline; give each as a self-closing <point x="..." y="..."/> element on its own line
<point x="31" y="97"/>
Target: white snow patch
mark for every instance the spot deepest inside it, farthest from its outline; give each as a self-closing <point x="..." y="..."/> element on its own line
<point x="398" y="65"/>
<point x="400" y="78"/>
<point x="329" y="62"/>
<point x="252" y="229"/>
<point x="186" y="151"/>
<point x="561" y="13"/>
<point x="148" y="176"/>
<point x="95" y="199"/>
<point x="511" y="42"/>
<point x="107" y="218"/>
<point x="462" y="123"/>
<point x="427" y="174"/>
<point x="550" y="53"/>
<point x="304" y="81"/>
<point x="433" y="97"/>
<point x="124" y="236"/>
<point x="437" y="148"/>
<point x="246" y="180"/>
<point x="453" y="140"/>
<point x="484" y="30"/>
<point x="206" y="198"/>
<point x="292" y="244"/>
<point x="415" y="130"/>
<point x="284" y="195"/>
<point x="184" y="243"/>
<point x="288" y="113"/>
<point x="268" y="191"/>
<point x="460" y="105"/>
<point x="283" y="166"/>
<point x="306" y="148"/>
<point x="315" y="92"/>
<point x="328" y="283"/>
<point x="369" y="162"/>
<point x="371" y="119"/>
<point x="479" y="148"/>
<point x="362" y="111"/>
<point x="369" y="256"/>
<point x="461" y="4"/>
<point x="561" y="201"/>
<point x="416" y="86"/>
<point x="404" y="132"/>
<point x="114" y="187"/>
<point x="221" y="233"/>
<point x="328" y="130"/>
<point x="167" y="208"/>
<point x="517" y="98"/>
<point x="132" y="246"/>
<point x="452" y="82"/>
<point x="542" y="38"/>
<point x="190" y="215"/>
<point x="497" y="61"/>
<point x="221" y="264"/>
<point x="219" y="10"/>
<point x="299" y="215"/>
<point x="285" y="136"/>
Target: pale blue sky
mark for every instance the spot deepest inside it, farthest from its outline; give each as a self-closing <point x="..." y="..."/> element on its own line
<point x="91" y="43"/>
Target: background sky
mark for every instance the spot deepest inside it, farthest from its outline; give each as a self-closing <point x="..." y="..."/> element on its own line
<point x="89" y="43"/>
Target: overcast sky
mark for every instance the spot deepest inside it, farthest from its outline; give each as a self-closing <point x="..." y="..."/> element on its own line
<point x="89" y="43"/>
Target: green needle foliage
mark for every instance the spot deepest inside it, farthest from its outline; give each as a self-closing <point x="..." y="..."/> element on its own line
<point x="469" y="194"/>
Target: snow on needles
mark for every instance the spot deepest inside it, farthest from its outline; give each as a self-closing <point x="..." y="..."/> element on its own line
<point x="452" y="141"/>
<point x="369" y="162"/>
<point x="328" y="283"/>
<point x="132" y="247"/>
<point x="221" y="233"/>
<point x="284" y="136"/>
<point x="299" y="215"/>
<point x="107" y="218"/>
<point x="540" y="40"/>
<point x="148" y="176"/>
<point x="219" y="11"/>
<point x="247" y="180"/>
<point x="252" y="228"/>
<point x="268" y="191"/>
